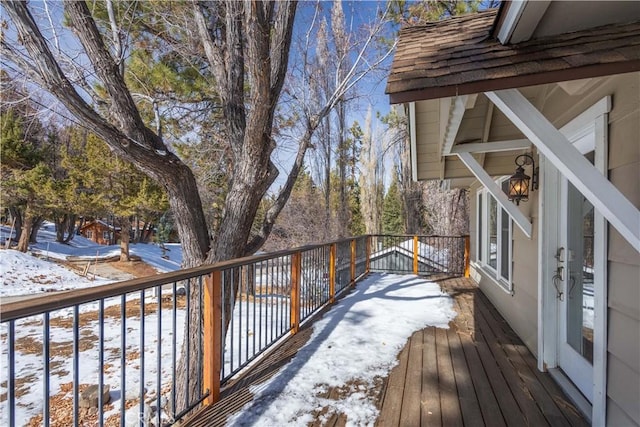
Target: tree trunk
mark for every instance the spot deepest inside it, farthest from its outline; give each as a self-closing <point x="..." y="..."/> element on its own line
<point x="59" y="223"/>
<point x="125" y="228"/>
<point x="136" y="230"/>
<point x="65" y="227"/>
<point x="27" y="223"/>
<point x="35" y="227"/>
<point x="17" y="215"/>
<point x="71" y="227"/>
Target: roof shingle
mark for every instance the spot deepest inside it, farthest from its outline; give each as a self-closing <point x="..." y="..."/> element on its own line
<point x="459" y="56"/>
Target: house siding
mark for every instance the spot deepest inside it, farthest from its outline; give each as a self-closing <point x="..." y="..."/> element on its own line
<point x="623" y="389"/>
<point x="520" y="306"/>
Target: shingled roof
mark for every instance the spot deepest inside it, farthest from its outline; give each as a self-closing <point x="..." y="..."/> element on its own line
<point x="460" y="56"/>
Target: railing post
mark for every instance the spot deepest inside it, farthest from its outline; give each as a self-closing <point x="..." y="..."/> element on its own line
<point x="467" y="255"/>
<point x="353" y="261"/>
<point x="415" y="254"/>
<point x="332" y="273"/>
<point x="367" y="267"/>
<point x="296" y="274"/>
<point x="212" y="337"/>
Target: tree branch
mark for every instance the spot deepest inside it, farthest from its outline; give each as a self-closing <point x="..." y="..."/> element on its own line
<point x="122" y="104"/>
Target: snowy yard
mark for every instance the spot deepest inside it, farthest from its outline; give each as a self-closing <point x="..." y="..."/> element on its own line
<point x="354" y="345"/>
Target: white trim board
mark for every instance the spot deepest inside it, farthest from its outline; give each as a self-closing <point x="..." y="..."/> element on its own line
<point x="413" y="151"/>
<point x="518" y="217"/>
<point x="604" y="196"/>
<point x="491" y="147"/>
<point x="514" y="12"/>
<point x="456" y="113"/>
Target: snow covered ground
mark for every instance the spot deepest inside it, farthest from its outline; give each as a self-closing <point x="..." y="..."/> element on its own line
<point x="357" y="341"/>
<point x="26" y="274"/>
<point x="23" y="274"/>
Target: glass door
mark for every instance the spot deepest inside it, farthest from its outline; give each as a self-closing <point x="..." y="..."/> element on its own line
<point x="577" y="304"/>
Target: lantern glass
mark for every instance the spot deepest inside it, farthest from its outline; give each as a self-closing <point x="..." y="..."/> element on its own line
<point x="519" y="186"/>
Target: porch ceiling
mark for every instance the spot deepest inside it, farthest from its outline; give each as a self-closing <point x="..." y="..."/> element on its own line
<point x="482" y="130"/>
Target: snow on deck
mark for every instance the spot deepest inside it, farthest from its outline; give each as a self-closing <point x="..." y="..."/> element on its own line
<point x="355" y="342"/>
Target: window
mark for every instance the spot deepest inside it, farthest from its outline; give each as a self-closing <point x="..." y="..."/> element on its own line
<point x="494" y="236"/>
<point x="89" y="234"/>
<point x="480" y="225"/>
<point x="105" y="235"/>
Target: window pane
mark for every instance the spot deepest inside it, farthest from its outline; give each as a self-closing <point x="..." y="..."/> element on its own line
<point x="480" y="216"/>
<point x="504" y="245"/>
<point x="493" y="231"/>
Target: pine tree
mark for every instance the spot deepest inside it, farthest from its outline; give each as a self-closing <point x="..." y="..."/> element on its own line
<point x="392" y="214"/>
<point x="23" y="171"/>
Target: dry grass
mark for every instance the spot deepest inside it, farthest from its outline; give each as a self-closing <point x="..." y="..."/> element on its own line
<point x="61" y="410"/>
<point x="136" y="268"/>
<point x="132" y="311"/>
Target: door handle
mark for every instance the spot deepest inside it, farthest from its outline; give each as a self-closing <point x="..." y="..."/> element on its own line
<point x="558" y="278"/>
<point x="560" y="254"/>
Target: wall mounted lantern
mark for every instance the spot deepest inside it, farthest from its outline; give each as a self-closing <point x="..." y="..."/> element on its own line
<point x="519" y="181"/>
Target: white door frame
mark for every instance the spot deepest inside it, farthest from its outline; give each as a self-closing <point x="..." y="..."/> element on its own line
<point x="588" y="129"/>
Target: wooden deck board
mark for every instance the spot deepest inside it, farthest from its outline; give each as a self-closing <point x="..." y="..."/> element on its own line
<point x="449" y="403"/>
<point x="569" y="411"/>
<point x="476" y="373"/>
<point x="394" y="391"/>
<point x="410" y="413"/>
<point x="471" y="414"/>
<point x="489" y="407"/>
<point x="497" y="382"/>
<point x="430" y="396"/>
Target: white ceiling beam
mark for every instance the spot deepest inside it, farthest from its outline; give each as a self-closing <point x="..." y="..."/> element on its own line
<point x="456" y="112"/>
<point x="551" y="143"/>
<point x="518" y="217"/>
<point x="486" y="129"/>
<point x="491" y="147"/>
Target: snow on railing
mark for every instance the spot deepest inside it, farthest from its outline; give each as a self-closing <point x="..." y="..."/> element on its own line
<point x="162" y="345"/>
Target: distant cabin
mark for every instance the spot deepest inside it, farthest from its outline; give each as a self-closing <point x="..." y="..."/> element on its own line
<point x="101" y="232"/>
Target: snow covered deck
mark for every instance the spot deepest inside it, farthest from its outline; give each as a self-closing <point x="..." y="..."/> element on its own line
<point x="476" y="372"/>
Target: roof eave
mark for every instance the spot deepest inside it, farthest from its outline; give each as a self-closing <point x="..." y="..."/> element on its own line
<point x="480" y="86"/>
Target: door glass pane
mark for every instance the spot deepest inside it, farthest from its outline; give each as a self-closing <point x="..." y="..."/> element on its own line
<point x="580" y="277"/>
<point x="480" y="225"/>
<point x="505" y="238"/>
<point x="505" y="241"/>
<point x="493" y="231"/>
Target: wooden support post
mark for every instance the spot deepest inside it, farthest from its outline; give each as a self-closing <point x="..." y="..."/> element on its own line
<point x="415" y="254"/>
<point x="212" y="337"/>
<point x="332" y="273"/>
<point x="467" y="255"/>
<point x="368" y="249"/>
<point x="353" y="262"/>
<point x="296" y="274"/>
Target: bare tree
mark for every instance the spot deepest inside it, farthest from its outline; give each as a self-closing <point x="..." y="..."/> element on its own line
<point x="446" y="210"/>
<point x="371" y="177"/>
<point x="410" y="190"/>
<point x="326" y="82"/>
<point x="243" y="46"/>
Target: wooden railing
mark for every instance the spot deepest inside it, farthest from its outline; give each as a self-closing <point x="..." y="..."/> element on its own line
<point x="232" y="313"/>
